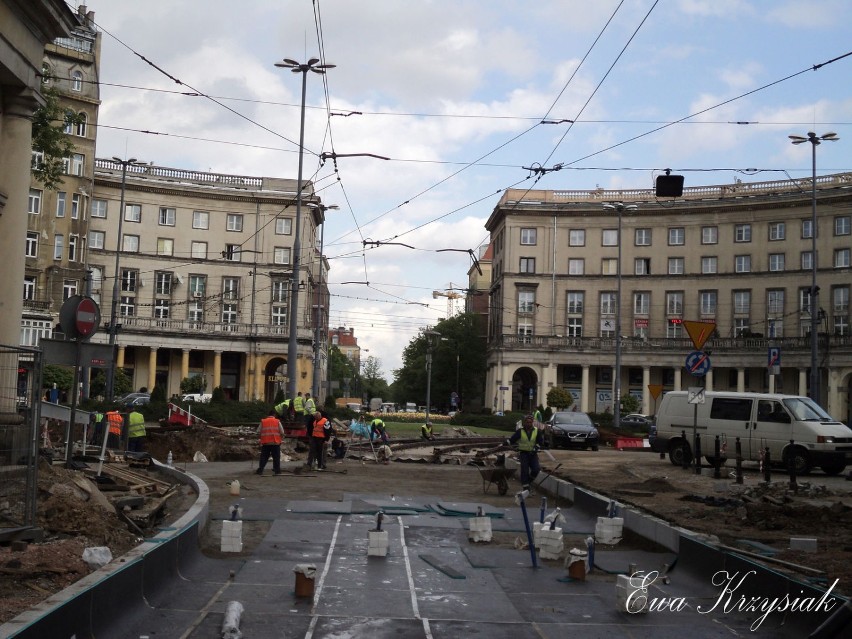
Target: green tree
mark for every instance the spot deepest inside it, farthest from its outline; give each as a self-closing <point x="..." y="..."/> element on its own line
<point x="194" y="384"/>
<point x="373" y="383"/>
<point x="629" y="404"/>
<point x="122" y="385"/>
<point x="49" y="137"/>
<point x="59" y="375"/>
<point x="340" y="368"/>
<point x="559" y="398"/>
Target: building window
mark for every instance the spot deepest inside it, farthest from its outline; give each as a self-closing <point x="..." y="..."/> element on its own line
<point x="709" y="235"/>
<point x="77" y="162"/>
<point x="527" y="265"/>
<point x="642" y="266"/>
<point x="76" y="201"/>
<point x="674" y="303"/>
<point x="32" y="244"/>
<point x="58" y="246"/>
<point x="279" y="315"/>
<point x="163" y="283"/>
<point x="777" y="231"/>
<point x="165" y="246"/>
<point x="37" y="159"/>
<point x="576" y="266"/>
<point x="841" y="225"/>
<point x="281" y="255"/>
<point x="81" y="125"/>
<point x="709" y="265"/>
<point x="742" y="302"/>
<point x="608" y="302"/>
<point x="230" y="288"/>
<point x="234" y="222"/>
<point x="642" y="237"/>
<point x="707" y="303"/>
<point x="742" y="233"/>
<point x="574" y="327"/>
<point x="609" y="237"/>
<point x="132" y="212"/>
<point x="195" y="313"/>
<point x="69" y="126"/>
<point x="674" y="328"/>
<point x="197" y="285"/>
<point x="742" y="264"/>
<point x="162" y="308"/>
<point x="807" y="260"/>
<point x="283" y="226"/>
<point x="280" y="292"/>
<point x="526" y="301"/>
<point x="29" y="288"/>
<point x="232" y="252"/>
<point x="130" y="244"/>
<point x="807" y="229"/>
<point x="76" y="81"/>
<point x="774" y="327"/>
<point x="96" y="240"/>
<point x="676" y="266"/>
<point x="677" y="236"/>
<point x="127" y="306"/>
<point x="609" y="266"/>
<point x="69" y="289"/>
<point x="841" y="325"/>
<point x="528" y="237"/>
<point x="99" y="208"/>
<point x="200" y="220"/>
<point x="775" y="302"/>
<point x="34" y="205"/>
<point x="525" y="331"/>
<point x="229" y="313"/>
<point x="198" y="250"/>
<point x="841" y="258"/>
<point x="805" y="300"/>
<point x="742" y="327"/>
<point x="575" y="302"/>
<point x="129" y="280"/>
<point x="167" y="216"/>
<point x="641" y="303"/>
<point x="840" y="299"/>
<point x="776" y="261"/>
<point x="73" y="240"/>
<point x="60" y="204"/>
<point x="577" y="237"/>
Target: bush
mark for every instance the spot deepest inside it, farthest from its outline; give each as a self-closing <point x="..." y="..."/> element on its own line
<point x="505" y="422"/>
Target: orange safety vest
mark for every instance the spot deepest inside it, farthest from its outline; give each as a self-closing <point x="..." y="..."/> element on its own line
<point x="115" y="422"/>
<point x="270" y="431"/>
<point x="319" y="427"/>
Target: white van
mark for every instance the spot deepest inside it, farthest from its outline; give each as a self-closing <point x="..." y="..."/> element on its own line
<point x="760" y="421"/>
<point x="202" y="398"/>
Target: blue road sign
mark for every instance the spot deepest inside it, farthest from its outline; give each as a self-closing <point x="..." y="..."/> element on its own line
<point x="774" y="358"/>
<point x="698" y="363"/>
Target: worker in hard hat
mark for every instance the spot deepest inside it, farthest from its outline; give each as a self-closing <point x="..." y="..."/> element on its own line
<point x="426" y="431"/>
<point x="526" y="438"/>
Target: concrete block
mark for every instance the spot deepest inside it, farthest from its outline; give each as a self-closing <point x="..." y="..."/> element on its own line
<point x="629" y="594"/>
<point x="608" y="530"/>
<point x="232" y="536"/>
<point x="378" y="543"/>
<point x="807" y="544"/>
<point x="480" y="529"/>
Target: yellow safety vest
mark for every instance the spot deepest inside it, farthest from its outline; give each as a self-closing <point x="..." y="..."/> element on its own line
<point x="299" y="404"/>
<point x="137" y="425"/>
<point x="527" y="442"/>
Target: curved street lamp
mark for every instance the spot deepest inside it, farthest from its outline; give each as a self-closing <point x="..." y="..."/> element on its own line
<point x="814" y="139"/>
<point x="616" y="407"/>
<point x="303" y="68"/>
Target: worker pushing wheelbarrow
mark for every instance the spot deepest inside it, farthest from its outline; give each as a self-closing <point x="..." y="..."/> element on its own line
<point x="497" y="475"/>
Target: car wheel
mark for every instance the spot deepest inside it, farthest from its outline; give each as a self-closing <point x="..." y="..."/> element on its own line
<point x="712" y="461"/>
<point x="595" y="448"/>
<point x="678" y="451"/>
<point x="801" y="460"/>
<point x="833" y="469"/>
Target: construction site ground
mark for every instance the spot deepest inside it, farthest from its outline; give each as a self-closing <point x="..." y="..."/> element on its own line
<point x="744" y="516"/>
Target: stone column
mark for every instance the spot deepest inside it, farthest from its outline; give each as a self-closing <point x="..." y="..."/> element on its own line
<point x="152" y="369"/>
<point x="678" y="379"/>
<point x="15" y="157"/>
<point x="708" y="384"/>
<point x="740" y="380"/>
<point x="184" y="364"/>
<point x="584" y="390"/>
<point x="217" y="369"/>
<point x="803" y="382"/>
<point x="646" y="393"/>
<point x="119" y="358"/>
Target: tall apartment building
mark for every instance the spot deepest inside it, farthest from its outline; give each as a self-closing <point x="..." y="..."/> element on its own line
<point x="205" y="277"/>
<point x="57" y="220"/>
<point x="739" y="256"/>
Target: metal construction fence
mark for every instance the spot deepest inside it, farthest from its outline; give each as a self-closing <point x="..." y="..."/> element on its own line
<point x="20" y="395"/>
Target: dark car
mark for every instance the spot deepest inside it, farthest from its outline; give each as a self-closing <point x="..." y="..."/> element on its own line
<point x="134" y="399"/>
<point x="572" y="429"/>
<point x="636" y="421"/>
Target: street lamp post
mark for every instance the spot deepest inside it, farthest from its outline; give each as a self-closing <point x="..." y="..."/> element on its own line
<point x="814" y="139"/>
<point x="320" y="296"/>
<point x="429" y="335"/>
<point x="616" y="407"/>
<point x="113" y="316"/>
<point x="303" y="68"/>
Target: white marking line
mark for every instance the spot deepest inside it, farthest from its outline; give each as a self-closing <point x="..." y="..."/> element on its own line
<point x="426" y="630"/>
<point x="319" y="585"/>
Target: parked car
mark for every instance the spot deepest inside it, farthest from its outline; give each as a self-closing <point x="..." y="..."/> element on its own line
<point x="635" y="420"/>
<point x="134" y="399"/>
<point x="572" y="429"/>
<point x="197" y="397"/>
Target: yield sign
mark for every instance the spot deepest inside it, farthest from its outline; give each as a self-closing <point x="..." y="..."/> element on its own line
<point x="699" y="332"/>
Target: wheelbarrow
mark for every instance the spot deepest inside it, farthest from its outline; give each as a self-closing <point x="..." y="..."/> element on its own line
<point x="497" y="475"/>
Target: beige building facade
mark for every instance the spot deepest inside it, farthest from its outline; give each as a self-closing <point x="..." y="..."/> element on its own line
<point x="736" y="256"/>
<point x="205" y="277"/>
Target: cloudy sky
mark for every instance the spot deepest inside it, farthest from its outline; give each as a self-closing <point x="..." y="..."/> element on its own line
<point x="454" y="93"/>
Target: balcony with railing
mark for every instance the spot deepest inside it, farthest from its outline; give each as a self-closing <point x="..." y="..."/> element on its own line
<point x="225" y="330"/>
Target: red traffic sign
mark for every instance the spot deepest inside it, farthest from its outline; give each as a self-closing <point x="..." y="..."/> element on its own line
<point x="87" y="317"/>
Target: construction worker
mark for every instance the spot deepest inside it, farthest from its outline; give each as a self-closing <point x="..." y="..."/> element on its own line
<point x="283" y="410"/>
<point x="299" y="406"/>
<point x="426" y="431"/>
<point x="115" y="422"/>
<point x="271" y="432"/>
<point x="310" y="411"/>
<point x="537" y="416"/>
<point x="135" y="431"/>
<point x="321" y="433"/>
<point x="526" y="438"/>
<point x="98" y="430"/>
<point x="377" y="430"/>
